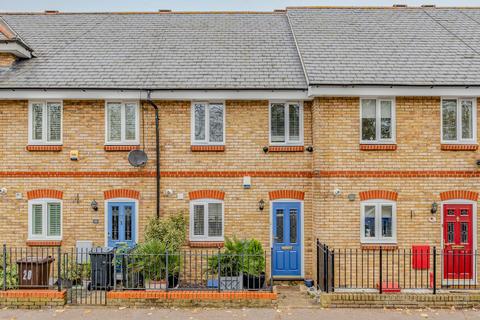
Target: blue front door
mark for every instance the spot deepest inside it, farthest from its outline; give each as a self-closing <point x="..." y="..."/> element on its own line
<point x="287" y="243"/>
<point x="121" y="223"/>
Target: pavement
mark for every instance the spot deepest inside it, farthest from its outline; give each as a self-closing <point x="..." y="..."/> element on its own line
<point x="104" y="313"/>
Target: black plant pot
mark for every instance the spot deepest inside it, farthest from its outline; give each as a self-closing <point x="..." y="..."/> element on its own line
<point x="253" y="282"/>
<point x="173" y="280"/>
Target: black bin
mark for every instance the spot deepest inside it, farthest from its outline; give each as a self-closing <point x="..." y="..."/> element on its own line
<point x="34" y="272"/>
<point x="103" y="269"/>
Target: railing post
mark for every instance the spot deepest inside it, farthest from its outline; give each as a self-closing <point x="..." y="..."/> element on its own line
<point x="59" y="266"/>
<point x="318" y="265"/>
<point x="166" y="270"/>
<point x="271" y="269"/>
<point x="380" y="285"/>
<point x="325" y="269"/>
<point x="4" y="266"/>
<point x="434" y="284"/>
<point x="333" y="269"/>
<point x="219" y="268"/>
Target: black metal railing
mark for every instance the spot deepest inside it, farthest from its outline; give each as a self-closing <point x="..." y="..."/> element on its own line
<point x="387" y="269"/>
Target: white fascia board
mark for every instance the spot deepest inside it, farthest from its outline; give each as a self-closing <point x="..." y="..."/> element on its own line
<point x="77" y="94"/>
<point x="392" y="91"/>
<point x="15" y="49"/>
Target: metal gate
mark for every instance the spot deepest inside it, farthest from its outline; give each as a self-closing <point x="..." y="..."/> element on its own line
<point x="325" y="269"/>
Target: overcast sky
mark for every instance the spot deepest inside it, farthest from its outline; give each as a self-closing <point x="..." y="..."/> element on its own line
<point x="203" y="5"/>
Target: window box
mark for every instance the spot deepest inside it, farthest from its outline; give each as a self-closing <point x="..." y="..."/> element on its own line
<point x="45" y="220"/>
<point x="377" y="121"/>
<point x="122" y="123"/>
<point x="378" y="222"/>
<point x="286" y="123"/>
<point x="206" y="220"/>
<point x="207" y="125"/>
<point x="459" y="124"/>
<point x="45" y="123"/>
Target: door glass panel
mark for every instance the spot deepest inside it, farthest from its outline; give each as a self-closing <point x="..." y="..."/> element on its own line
<point x="128" y="223"/>
<point x="450" y="232"/>
<point x="464" y="230"/>
<point x="464" y="212"/>
<point x="279" y="231"/>
<point x="293" y="225"/>
<point x="198" y="220"/>
<point x="369" y="221"/>
<point x="387" y="221"/>
<point x="115" y="222"/>
<point x="450" y="212"/>
<point x="369" y="107"/>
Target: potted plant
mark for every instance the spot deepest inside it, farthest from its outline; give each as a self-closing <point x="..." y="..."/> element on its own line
<point x="253" y="265"/>
<point x="227" y="265"/>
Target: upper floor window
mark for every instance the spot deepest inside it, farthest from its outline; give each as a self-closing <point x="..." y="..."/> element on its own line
<point x="122" y="122"/>
<point x="45" y="122"/>
<point x="286" y="123"/>
<point x="378" y="221"/>
<point x="459" y="120"/>
<point x="206" y="220"/>
<point x="45" y="219"/>
<point x="377" y="120"/>
<point x="208" y="123"/>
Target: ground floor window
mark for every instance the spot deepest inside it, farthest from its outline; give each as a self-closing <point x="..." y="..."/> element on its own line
<point x="45" y="219"/>
<point x="206" y="220"/>
<point x="378" y="222"/>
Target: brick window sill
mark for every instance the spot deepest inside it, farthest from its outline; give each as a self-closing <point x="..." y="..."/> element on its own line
<point x="286" y="149"/>
<point x="378" y="147"/>
<point x="44" y="243"/>
<point x="207" y="148"/>
<point x="48" y="148"/>
<point x="120" y="148"/>
<point x="375" y="247"/>
<point x="459" y="147"/>
<point x="205" y="244"/>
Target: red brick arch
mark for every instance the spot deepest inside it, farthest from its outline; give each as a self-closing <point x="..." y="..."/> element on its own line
<point x="206" y="194"/>
<point x="378" y="194"/>
<point x="286" y="194"/>
<point x="459" y="194"/>
<point x="121" y="193"/>
<point x="44" y="193"/>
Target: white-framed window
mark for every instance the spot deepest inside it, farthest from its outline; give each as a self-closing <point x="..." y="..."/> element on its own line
<point x="378" y="221"/>
<point x="286" y="123"/>
<point x="45" y="219"/>
<point x="459" y="120"/>
<point x="377" y="120"/>
<point x="45" y="122"/>
<point x="122" y="123"/>
<point x="206" y="220"/>
<point x="208" y="123"/>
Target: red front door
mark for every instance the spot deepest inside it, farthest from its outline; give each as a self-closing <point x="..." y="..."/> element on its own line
<point x="458" y="240"/>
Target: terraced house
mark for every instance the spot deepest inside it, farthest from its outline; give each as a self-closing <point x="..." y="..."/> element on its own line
<point x="354" y="126"/>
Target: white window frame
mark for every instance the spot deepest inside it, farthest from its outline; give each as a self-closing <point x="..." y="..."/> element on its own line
<point x="205" y="237"/>
<point x="287" y="142"/>
<point x="44" y="140"/>
<point x="378" y="222"/>
<point x="206" y="141"/>
<point x="459" y="139"/>
<point x="123" y="141"/>
<point x="378" y="121"/>
<point x="44" y="202"/>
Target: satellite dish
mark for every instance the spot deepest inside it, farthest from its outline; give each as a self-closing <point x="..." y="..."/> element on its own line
<point x="137" y="158"/>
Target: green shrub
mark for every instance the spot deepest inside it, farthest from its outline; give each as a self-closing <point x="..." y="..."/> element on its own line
<point x="170" y="231"/>
<point x="11" y="274"/>
<point x="150" y="258"/>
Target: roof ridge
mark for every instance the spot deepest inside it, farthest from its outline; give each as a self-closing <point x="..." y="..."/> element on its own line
<point x="142" y="12"/>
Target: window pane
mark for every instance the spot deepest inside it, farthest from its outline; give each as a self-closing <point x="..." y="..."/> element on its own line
<point x="37" y="219"/>
<point x="449" y="119"/>
<point x="37" y="121"/>
<point x="128" y="223"/>
<point x="115" y="222"/>
<point x="214" y="219"/>
<point x="114" y="119"/>
<point x="130" y="121"/>
<point x="278" y="122"/>
<point x="369" y="111"/>
<point x="369" y="221"/>
<point x="467" y="119"/>
<point x="54" y="219"/>
<point x="199" y="110"/>
<point x="279" y="223"/>
<point x="216" y="123"/>
<point x="386" y="119"/>
<point x="387" y="216"/>
<point x="293" y="225"/>
<point x="54" y="121"/>
<point x="294" y="122"/>
<point x="198" y="220"/>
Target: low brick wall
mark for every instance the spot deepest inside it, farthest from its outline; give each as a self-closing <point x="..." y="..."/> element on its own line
<point x="33" y="299"/>
<point x="191" y="299"/>
<point x="400" y="300"/>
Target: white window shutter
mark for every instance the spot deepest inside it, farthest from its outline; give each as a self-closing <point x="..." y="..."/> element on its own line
<point x="37" y="121"/>
<point x="37" y="219"/>
<point x="54" y="219"/>
<point x="215" y="220"/>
